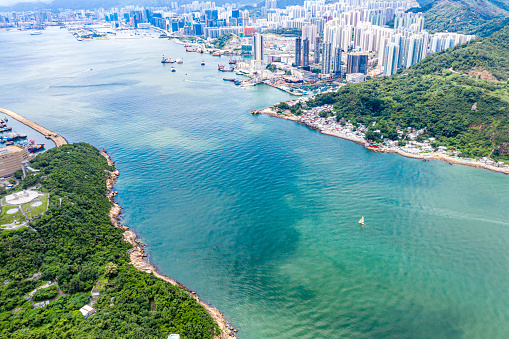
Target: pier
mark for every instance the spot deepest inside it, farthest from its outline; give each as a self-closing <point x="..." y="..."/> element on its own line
<point x="56" y="138"/>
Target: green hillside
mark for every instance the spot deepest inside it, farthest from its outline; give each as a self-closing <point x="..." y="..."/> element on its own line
<point x="461" y="111"/>
<point x="480" y="17"/>
<point x="76" y="246"/>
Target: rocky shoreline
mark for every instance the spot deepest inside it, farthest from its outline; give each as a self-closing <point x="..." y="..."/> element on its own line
<point x="137" y="256"/>
<point x="360" y="141"/>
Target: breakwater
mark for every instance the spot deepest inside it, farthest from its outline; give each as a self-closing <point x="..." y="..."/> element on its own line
<point x="56" y="138"/>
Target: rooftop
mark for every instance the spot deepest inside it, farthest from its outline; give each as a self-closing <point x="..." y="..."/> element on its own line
<point x="21" y="198"/>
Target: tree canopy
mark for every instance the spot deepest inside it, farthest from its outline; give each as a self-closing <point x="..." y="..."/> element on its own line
<point x="75" y="245"/>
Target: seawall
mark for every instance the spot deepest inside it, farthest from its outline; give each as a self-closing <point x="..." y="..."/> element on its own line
<point x="56" y="138"/>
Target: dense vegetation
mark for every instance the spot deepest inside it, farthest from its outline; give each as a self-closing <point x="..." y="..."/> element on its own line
<point x="462" y="111"/>
<point x="479" y="17"/>
<point x="490" y="54"/>
<point x="221" y="41"/>
<point x="76" y="245"/>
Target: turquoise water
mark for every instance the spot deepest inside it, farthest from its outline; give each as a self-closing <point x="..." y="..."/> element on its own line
<point x="260" y="215"/>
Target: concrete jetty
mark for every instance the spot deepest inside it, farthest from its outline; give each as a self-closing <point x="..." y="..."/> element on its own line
<point x="57" y="139"/>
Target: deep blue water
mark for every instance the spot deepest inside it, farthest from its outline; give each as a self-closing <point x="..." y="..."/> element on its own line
<point x="260" y="215"/>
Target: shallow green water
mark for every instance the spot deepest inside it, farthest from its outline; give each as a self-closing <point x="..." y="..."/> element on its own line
<point x="260" y="215"/>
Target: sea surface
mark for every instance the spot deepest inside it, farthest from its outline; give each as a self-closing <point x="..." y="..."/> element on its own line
<point x="260" y="215"/>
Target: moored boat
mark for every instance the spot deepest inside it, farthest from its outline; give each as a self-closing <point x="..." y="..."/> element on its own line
<point x="173" y="69"/>
<point x="229" y="79"/>
<point x="203" y="62"/>
<point x="180" y="61"/>
<point x="35" y="147"/>
<point x="13" y="136"/>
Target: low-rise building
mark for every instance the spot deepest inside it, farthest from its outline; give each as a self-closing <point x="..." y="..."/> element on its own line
<point x="355" y="77"/>
<point x="87" y="311"/>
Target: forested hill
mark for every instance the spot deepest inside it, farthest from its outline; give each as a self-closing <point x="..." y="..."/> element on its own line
<point x="479" y="17"/>
<point x="75" y="246"/>
<point x="481" y="57"/>
<point x="458" y="108"/>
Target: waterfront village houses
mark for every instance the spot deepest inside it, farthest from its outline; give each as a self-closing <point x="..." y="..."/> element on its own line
<point x="11" y="158"/>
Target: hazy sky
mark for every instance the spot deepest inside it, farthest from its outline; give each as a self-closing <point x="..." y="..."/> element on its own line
<point x="12" y="2"/>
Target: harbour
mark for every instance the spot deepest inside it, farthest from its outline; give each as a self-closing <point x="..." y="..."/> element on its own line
<point x="260" y="216"/>
<point x="57" y="139"/>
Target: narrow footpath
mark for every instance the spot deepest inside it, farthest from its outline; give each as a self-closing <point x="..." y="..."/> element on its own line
<point x="56" y="138"/>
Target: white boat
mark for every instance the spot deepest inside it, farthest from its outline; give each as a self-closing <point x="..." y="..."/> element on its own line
<point x="36" y="33"/>
<point x="361" y="221"/>
<point x="180" y="61"/>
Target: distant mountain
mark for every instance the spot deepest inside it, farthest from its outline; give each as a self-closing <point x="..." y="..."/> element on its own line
<point x="480" y="17"/>
<point x="93" y="4"/>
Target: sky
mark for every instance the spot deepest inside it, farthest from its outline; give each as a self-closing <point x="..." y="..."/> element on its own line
<point x="13" y="2"/>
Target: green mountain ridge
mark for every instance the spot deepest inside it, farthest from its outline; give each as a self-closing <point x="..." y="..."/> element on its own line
<point x="443" y="95"/>
<point x="479" y="17"/>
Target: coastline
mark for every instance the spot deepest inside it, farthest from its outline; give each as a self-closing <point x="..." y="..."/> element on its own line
<point x="137" y="256"/>
<point x="423" y="156"/>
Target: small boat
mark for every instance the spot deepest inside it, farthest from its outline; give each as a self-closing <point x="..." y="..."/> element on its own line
<point x="172" y="69"/>
<point x="9" y="143"/>
<point x="220" y="67"/>
<point x="180" y="61"/>
<point x="36" y="33"/>
<point x="167" y="61"/>
<point x="232" y="61"/>
<point x="216" y="53"/>
<point x="203" y="62"/>
<point x="229" y="79"/>
<point x="361" y="221"/>
<point x="163" y="36"/>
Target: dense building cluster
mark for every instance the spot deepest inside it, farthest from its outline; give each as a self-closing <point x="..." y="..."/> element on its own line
<point x="360" y="37"/>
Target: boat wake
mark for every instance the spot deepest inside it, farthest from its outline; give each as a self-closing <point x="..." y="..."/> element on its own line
<point x="195" y="81"/>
